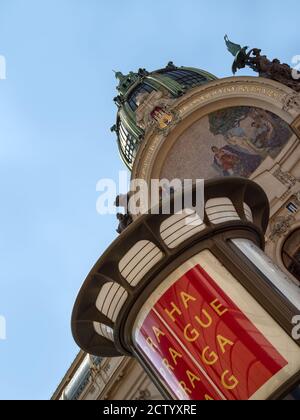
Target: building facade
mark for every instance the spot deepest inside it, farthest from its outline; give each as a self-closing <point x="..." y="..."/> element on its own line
<point x="184" y="123"/>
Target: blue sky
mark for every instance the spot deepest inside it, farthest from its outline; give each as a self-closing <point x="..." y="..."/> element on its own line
<point x="56" y="110"/>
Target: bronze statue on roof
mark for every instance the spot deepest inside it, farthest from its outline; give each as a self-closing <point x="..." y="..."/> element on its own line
<point x="274" y="70"/>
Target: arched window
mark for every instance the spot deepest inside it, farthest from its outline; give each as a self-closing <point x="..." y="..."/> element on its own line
<point x="143" y="88"/>
<point x="128" y="143"/>
<point x="291" y="254"/>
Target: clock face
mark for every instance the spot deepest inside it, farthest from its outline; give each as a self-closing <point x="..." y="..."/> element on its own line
<point x="207" y="338"/>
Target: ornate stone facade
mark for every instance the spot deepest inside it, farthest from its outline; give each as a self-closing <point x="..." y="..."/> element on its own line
<point x="278" y="173"/>
<point x="154" y="110"/>
<point x="109" y="379"/>
<point x="200" y="102"/>
<point x="292" y="102"/>
<point x="281" y="226"/>
<point x="285" y="178"/>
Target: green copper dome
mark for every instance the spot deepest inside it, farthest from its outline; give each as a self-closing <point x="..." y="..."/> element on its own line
<point x="173" y="81"/>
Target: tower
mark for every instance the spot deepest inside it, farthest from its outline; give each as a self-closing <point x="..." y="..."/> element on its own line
<point x="183" y="123"/>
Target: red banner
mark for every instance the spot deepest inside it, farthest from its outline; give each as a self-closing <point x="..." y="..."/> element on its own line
<point x="203" y="346"/>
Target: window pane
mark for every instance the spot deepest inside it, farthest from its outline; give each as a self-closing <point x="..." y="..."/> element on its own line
<point x="144" y="88"/>
<point x="186" y="77"/>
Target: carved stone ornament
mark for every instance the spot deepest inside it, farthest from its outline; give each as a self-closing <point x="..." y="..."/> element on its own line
<point x="285" y="178"/>
<point x="281" y="226"/>
<point x="291" y="102"/>
<point x="154" y="110"/>
<point x="143" y="395"/>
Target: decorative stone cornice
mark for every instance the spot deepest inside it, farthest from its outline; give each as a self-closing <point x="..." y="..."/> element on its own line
<point x="285" y="178"/>
<point x="239" y="87"/>
<point x="291" y="103"/>
<point x="281" y="226"/>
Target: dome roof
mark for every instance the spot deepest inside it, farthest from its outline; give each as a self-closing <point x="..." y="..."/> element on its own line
<point x="172" y="81"/>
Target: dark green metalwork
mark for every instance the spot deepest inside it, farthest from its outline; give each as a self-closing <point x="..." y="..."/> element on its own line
<point x="173" y="81"/>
